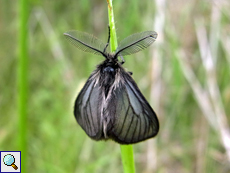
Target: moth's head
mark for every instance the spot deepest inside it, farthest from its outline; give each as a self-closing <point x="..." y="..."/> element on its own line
<point x="113" y="58"/>
<point x="110" y="57"/>
<point x="110" y="64"/>
<point x="110" y="60"/>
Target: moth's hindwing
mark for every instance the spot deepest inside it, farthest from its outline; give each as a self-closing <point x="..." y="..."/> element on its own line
<point x="87" y="109"/>
<point x="134" y="119"/>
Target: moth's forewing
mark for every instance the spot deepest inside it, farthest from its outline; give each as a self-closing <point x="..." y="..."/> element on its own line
<point x="87" y="108"/>
<point x="134" y="119"/>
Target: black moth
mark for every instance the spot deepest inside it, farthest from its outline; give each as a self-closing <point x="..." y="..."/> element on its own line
<point x="110" y="105"/>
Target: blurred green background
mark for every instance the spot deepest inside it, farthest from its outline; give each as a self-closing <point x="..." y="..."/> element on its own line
<point x="185" y="75"/>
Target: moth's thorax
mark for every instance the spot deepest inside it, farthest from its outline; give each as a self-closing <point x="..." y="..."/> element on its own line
<point x="108" y="71"/>
<point x="110" y="65"/>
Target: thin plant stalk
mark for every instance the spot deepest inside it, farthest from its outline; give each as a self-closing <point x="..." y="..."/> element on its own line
<point x="209" y="64"/>
<point x="23" y="81"/>
<point x="156" y="80"/>
<point x="126" y="150"/>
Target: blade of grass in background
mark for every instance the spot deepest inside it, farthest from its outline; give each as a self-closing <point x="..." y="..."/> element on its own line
<point x="156" y="92"/>
<point x="23" y="81"/>
<point x="126" y="150"/>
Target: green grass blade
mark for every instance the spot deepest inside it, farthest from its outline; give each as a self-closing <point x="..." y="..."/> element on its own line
<point x="23" y="81"/>
<point x="113" y="36"/>
<point x="127" y="158"/>
<point x="126" y="150"/>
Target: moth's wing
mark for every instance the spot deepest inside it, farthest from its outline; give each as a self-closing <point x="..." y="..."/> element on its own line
<point x="85" y="42"/>
<point x="135" y="43"/>
<point x="87" y="109"/>
<point x="134" y="120"/>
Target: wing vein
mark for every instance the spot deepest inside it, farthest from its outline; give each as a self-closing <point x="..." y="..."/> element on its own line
<point x="124" y="121"/>
<point x="130" y="123"/>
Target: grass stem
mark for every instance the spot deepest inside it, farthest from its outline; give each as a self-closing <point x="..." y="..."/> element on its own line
<point x="23" y="81"/>
<point x="126" y="150"/>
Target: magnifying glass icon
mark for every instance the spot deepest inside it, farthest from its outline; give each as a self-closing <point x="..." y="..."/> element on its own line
<point x="9" y="160"/>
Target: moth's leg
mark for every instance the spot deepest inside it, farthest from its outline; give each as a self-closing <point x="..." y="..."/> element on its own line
<point x="130" y="73"/>
<point x="122" y="60"/>
<point x="107" y="41"/>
